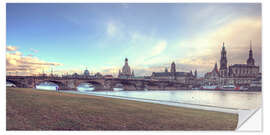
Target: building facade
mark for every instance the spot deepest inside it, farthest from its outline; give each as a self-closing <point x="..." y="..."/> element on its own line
<point x="212" y="78"/>
<point x="173" y="75"/>
<point x="126" y="71"/>
<point x="237" y="74"/>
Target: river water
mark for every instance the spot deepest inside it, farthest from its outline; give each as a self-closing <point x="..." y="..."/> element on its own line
<point x="224" y="99"/>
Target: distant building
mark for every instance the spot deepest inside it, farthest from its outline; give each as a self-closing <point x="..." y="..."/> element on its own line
<point x="76" y="75"/>
<point x="257" y="82"/>
<point x="212" y="78"/>
<point x="98" y="75"/>
<point x="108" y="76"/>
<point x="139" y="77"/>
<point x="173" y="75"/>
<point x="126" y="71"/>
<point x="237" y="74"/>
<point x="86" y="73"/>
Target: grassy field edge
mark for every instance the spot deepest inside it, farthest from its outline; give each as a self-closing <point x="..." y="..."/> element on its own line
<point x="29" y="109"/>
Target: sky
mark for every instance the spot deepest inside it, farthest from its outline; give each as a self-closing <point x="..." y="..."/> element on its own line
<point x="69" y="38"/>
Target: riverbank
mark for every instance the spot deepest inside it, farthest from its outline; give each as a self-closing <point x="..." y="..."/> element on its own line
<point x="29" y="109"/>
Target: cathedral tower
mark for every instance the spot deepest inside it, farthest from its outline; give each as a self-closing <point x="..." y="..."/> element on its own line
<point x="173" y="70"/>
<point x="223" y="62"/>
<point x="250" y="60"/>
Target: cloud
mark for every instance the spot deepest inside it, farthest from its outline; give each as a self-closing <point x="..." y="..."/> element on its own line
<point x="33" y="50"/>
<point x="111" y="29"/>
<point x="151" y="54"/>
<point x="159" y="48"/>
<point x="199" y="52"/>
<point x="110" y="71"/>
<point x="11" y="48"/>
<point x="26" y="65"/>
<point x="204" y="50"/>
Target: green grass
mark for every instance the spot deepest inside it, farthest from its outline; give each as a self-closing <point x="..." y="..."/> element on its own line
<point x="29" y="109"/>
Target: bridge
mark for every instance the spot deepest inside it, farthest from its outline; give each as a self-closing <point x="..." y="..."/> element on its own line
<point x="100" y="84"/>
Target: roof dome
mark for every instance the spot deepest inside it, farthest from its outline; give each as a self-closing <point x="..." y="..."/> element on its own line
<point x="126" y="68"/>
<point x="86" y="72"/>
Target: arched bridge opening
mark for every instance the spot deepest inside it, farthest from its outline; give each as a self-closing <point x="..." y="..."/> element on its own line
<point x="10" y="83"/>
<point x="85" y="87"/>
<point x="124" y="85"/>
<point x="118" y="87"/>
<point x="50" y="85"/>
<point x="90" y="86"/>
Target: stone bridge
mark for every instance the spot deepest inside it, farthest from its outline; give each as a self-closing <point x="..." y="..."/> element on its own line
<point x="98" y="83"/>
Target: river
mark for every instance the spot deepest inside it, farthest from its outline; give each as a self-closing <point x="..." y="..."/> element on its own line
<point x="224" y="99"/>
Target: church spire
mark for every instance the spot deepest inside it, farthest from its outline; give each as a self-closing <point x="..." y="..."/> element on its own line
<point x="132" y="73"/>
<point x="250" y="45"/>
<point x="250" y="60"/>
<point x="166" y="69"/>
<point x="173" y="69"/>
<point x="223" y="62"/>
<point x="216" y="68"/>
<point x="223" y="59"/>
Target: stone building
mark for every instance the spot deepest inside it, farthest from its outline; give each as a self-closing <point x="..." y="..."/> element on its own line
<point x="98" y="75"/>
<point x="126" y="71"/>
<point x="223" y="63"/>
<point x="257" y="83"/>
<point x="173" y="75"/>
<point x="212" y="78"/>
<point x="237" y="74"/>
<point x="86" y="73"/>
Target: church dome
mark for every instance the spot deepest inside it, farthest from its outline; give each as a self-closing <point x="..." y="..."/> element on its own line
<point x="126" y="69"/>
<point x="86" y="72"/>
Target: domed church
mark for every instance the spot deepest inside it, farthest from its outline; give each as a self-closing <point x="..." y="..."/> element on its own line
<point x="126" y="71"/>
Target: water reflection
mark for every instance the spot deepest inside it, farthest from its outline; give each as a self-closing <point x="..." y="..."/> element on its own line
<point x="227" y="99"/>
<point x="47" y="86"/>
<point x="85" y="87"/>
<point x="10" y="84"/>
<point x="118" y="89"/>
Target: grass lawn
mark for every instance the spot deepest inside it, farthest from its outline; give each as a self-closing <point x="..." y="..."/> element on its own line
<point x="29" y="109"/>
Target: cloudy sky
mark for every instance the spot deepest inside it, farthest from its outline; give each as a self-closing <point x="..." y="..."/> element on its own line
<point x="71" y="37"/>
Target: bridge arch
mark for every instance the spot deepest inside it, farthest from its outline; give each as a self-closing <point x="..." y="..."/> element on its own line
<point x="96" y="84"/>
<point x="127" y="85"/>
<point x="16" y="83"/>
<point x="60" y="85"/>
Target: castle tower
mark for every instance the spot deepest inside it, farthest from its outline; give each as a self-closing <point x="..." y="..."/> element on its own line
<point x="166" y="70"/>
<point x="216" y="68"/>
<point x="173" y="70"/>
<point x="250" y="60"/>
<point x="223" y="62"/>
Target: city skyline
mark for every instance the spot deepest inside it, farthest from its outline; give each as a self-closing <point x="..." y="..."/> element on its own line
<point x="71" y="37"/>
